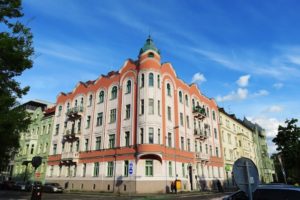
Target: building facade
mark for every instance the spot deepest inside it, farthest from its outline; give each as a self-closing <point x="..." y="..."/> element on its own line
<point x="237" y="141"/>
<point x="265" y="164"/>
<point x="34" y="142"/>
<point x="136" y="127"/>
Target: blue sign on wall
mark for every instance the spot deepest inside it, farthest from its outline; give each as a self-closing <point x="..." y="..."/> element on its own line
<point x="130" y="168"/>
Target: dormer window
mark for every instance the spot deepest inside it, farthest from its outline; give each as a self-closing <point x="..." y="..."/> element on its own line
<point x="150" y="55"/>
<point x="128" y="87"/>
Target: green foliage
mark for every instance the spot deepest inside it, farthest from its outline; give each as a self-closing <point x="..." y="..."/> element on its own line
<point x="15" y="57"/>
<point x="288" y="145"/>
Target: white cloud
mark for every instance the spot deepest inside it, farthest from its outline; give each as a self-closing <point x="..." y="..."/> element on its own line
<point x="260" y="93"/>
<point x="273" y="109"/>
<point x="243" y="81"/>
<point x="240" y="94"/>
<point x="198" y="78"/>
<point x="278" y="85"/>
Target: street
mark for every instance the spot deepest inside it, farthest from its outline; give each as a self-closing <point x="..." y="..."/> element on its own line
<point x="85" y="195"/>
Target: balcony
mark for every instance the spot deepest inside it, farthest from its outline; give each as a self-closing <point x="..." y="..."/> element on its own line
<point x="199" y="112"/>
<point x="70" y="136"/>
<point x="74" y="113"/>
<point x="201" y="157"/>
<point x="200" y="134"/>
<point x="28" y="137"/>
<point x="69" y="158"/>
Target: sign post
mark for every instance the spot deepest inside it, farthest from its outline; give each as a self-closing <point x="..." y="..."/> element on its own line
<point x="246" y="175"/>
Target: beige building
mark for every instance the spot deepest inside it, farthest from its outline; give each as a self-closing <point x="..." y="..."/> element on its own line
<point x="237" y="141"/>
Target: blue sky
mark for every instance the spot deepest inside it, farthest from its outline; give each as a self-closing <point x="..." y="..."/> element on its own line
<point x="245" y="54"/>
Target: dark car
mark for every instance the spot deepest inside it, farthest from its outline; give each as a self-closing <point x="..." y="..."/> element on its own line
<point x="52" y="187"/>
<point x="269" y="192"/>
<point x="7" y="185"/>
<point x="20" y="186"/>
<point x="30" y="184"/>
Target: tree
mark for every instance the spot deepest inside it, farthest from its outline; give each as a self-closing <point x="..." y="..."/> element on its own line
<point x="15" y="56"/>
<point x="288" y="145"/>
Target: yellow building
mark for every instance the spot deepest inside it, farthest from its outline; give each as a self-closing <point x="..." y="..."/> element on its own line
<point x="237" y="141"/>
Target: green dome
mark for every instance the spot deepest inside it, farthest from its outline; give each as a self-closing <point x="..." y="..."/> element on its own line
<point x="149" y="45"/>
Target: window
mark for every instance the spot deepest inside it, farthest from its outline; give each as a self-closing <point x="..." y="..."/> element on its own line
<point x="32" y="149"/>
<point x="63" y="147"/>
<point x="51" y="170"/>
<point x="88" y="121"/>
<point x="101" y="97"/>
<point x="207" y="112"/>
<point x="180" y="96"/>
<point x="142" y="107"/>
<point x="206" y="148"/>
<point x="170" y="139"/>
<point x="183" y="170"/>
<point x="59" y="110"/>
<point x="128" y="87"/>
<point x="142" y="80"/>
<point x="127" y="136"/>
<point x="158" y="107"/>
<point x="151" y="106"/>
<point x="217" y="151"/>
<point x="77" y="145"/>
<point x="170" y="169"/>
<point x="114" y="92"/>
<point x="126" y="164"/>
<point x="110" y="169"/>
<point x="54" y="149"/>
<point x="81" y="101"/>
<point x="142" y="135"/>
<point x="99" y="119"/>
<point x="196" y="146"/>
<point x="229" y="138"/>
<point x="200" y="147"/>
<point x="90" y="100"/>
<point x="127" y="114"/>
<point x="158" y="136"/>
<point x="98" y="143"/>
<point x="79" y="125"/>
<point x="186" y="100"/>
<point x="214" y="115"/>
<point x="158" y="81"/>
<point x="111" y="141"/>
<point x="83" y="169"/>
<point x="188" y="121"/>
<point x="181" y="119"/>
<point x="96" y="169"/>
<point x="57" y="129"/>
<point x="182" y="143"/>
<point x="189" y="145"/>
<point x="168" y="89"/>
<point x="210" y="150"/>
<point x="169" y="114"/>
<point x="151" y="55"/>
<point x="76" y="103"/>
<point x="193" y="103"/>
<point x="216" y="133"/>
<point x="149" y="167"/>
<point x="151" y="80"/>
<point x="113" y="113"/>
<point x="65" y="124"/>
<point x="151" y="130"/>
<point x="86" y="145"/>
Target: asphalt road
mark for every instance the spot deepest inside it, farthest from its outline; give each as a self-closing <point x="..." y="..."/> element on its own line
<point x="17" y="195"/>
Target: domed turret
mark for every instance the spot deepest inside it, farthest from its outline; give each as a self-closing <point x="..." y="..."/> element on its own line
<point x="149" y="45"/>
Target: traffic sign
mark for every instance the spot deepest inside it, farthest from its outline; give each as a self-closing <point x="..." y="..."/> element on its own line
<point x="246" y="175"/>
<point x="130" y="168"/>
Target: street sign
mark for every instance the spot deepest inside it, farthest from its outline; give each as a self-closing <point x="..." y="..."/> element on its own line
<point x="130" y="170"/>
<point x="246" y="175"/>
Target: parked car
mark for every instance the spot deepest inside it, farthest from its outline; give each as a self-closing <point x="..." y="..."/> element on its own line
<point x="30" y="184"/>
<point x="20" y="186"/>
<point x="52" y="187"/>
<point x="269" y="192"/>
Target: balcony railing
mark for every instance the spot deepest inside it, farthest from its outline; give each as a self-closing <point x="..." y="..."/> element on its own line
<point x="70" y="136"/>
<point x="69" y="155"/>
<point x="74" y="113"/>
<point x="199" y="112"/>
<point x="200" y="133"/>
<point x="201" y="156"/>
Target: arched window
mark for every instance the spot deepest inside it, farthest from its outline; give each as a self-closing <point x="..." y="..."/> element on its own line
<point x="193" y="102"/>
<point x="186" y="100"/>
<point x="150" y="55"/>
<point x="158" y="81"/>
<point x="75" y="102"/>
<point x="101" y="97"/>
<point x="180" y="96"/>
<point x="59" y="110"/>
<point x="150" y="79"/>
<point x="168" y="89"/>
<point x="142" y="80"/>
<point x="128" y="87"/>
<point x="114" y="92"/>
<point x="68" y="106"/>
<point x="81" y="101"/>
<point x="90" y="100"/>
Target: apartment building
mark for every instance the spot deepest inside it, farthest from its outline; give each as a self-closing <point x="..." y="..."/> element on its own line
<point x="34" y="142"/>
<point x="136" y="130"/>
<point x="237" y="141"/>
